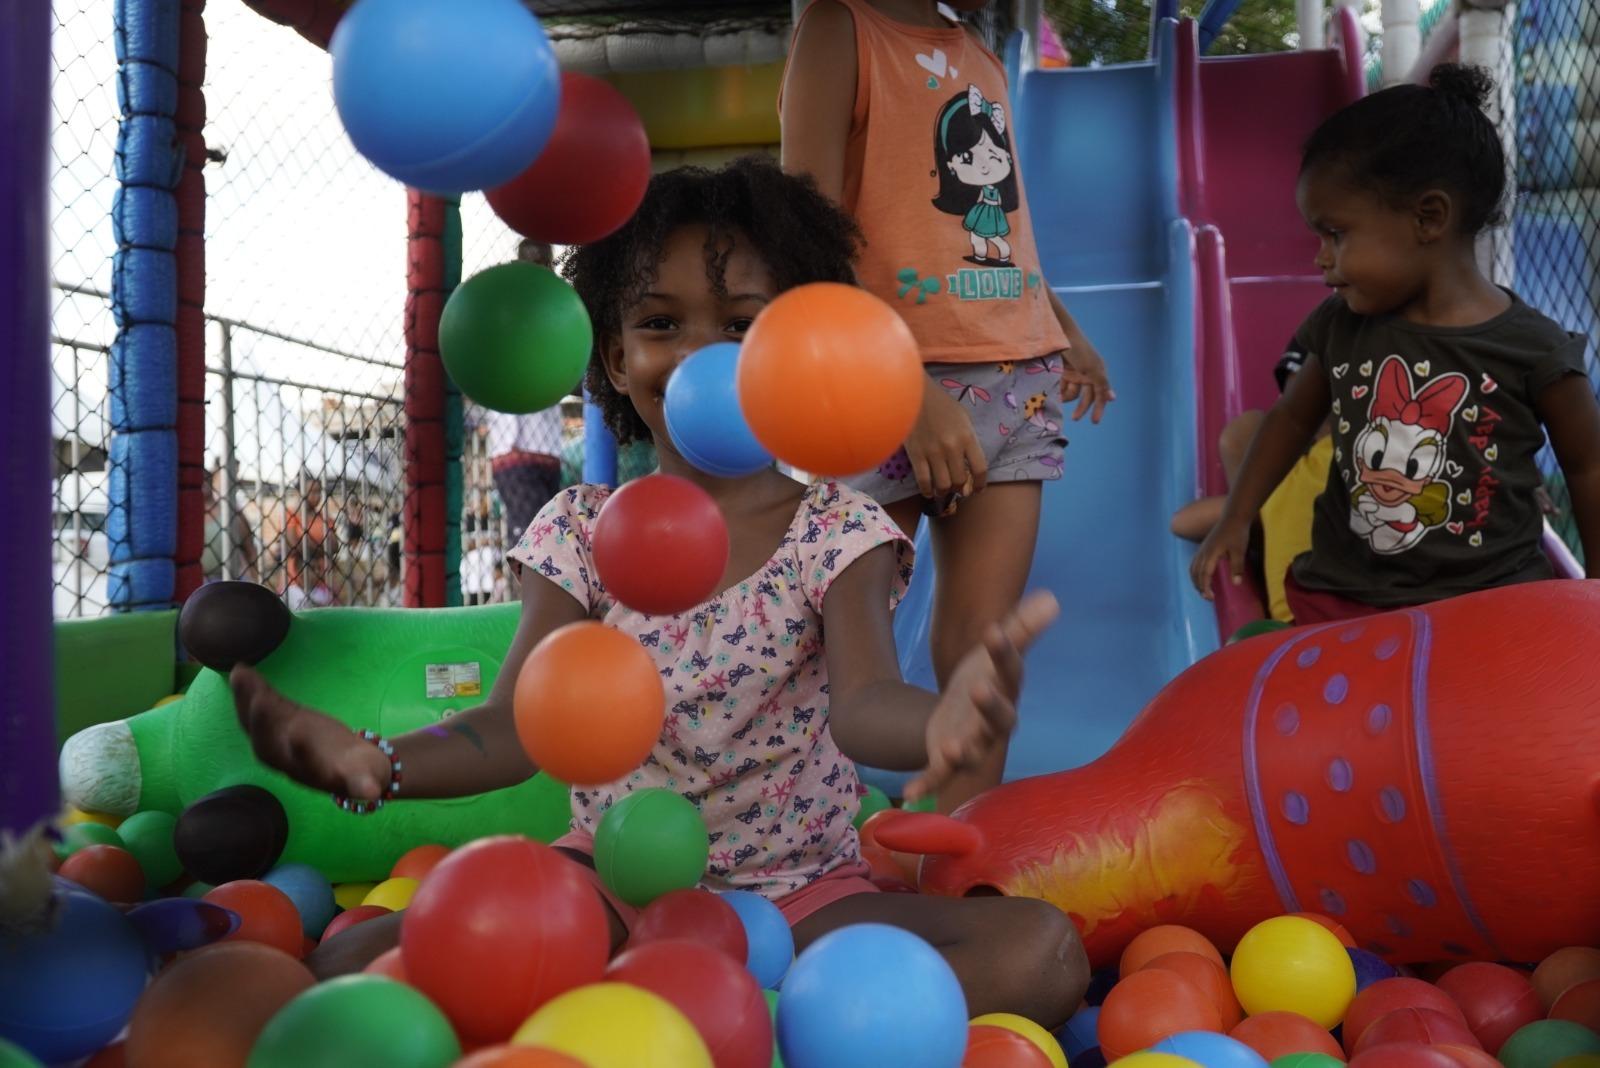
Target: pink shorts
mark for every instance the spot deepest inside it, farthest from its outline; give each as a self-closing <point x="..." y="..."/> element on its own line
<point x="840" y="883"/>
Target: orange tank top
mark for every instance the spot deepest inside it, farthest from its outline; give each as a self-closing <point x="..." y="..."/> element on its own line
<point x="931" y="176"/>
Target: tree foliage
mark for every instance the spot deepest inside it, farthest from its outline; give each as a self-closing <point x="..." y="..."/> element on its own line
<point x="1118" y="31"/>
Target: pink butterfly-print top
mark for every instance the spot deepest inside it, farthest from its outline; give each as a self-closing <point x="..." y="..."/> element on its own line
<point x="746" y="736"/>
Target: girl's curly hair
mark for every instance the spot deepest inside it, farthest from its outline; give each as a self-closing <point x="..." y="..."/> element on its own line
<point x="800" y="235"/>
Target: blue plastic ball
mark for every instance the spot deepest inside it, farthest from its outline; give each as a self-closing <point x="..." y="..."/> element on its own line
<point x="1370" y="968"/>
<point x="703" y="416"/>
<point x="1081" y="1033"/>
<point x="767" y="932"/>
<point x="68" y="990"/>
<point x="1211" y="1050"/>
<point x="445" y="97"/>
<point x="870" y="995"/>
<point x="311" y="893"/>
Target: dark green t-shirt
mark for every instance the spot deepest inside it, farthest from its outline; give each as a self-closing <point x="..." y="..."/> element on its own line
<point x="1432" y="489"/>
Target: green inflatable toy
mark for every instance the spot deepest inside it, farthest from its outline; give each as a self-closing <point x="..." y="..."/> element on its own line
<point x="386" y="670"/>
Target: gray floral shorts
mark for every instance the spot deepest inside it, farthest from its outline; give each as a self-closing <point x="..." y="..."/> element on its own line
<point x="1016" y="411"/>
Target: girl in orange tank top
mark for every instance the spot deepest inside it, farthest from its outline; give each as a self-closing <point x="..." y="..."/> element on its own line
<point x="870" y="85"/>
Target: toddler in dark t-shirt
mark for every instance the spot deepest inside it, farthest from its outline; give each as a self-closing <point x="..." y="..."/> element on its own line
<point x="1439" y="384"/>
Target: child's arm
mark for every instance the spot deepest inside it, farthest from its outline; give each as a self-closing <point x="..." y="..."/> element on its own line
<point x="819" y="93"/>
<point x="1085" y="378"/>
<point x="1570" y="413"/>
<point x="1287" y="430"/>
<point x="470" y="753"/>
<point x="879" y="719"/>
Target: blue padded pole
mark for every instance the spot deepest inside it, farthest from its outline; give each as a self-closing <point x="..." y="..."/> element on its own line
<point x="142" y="520"/>
<point x="1213" y="18"/>
<point x="27" y="725"/>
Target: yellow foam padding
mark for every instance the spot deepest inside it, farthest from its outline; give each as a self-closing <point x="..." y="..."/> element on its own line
<point x="707" y="107"/>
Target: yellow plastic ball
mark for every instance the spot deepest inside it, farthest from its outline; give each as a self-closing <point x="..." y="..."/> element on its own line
<point x="392" y="894"/>
<point x="615" y="1025"/>
<point x="167" y="700"/>
<point x="349" y="895"/>
<point x="77" y="815"/>
<point x="1155" y="1060"/>
<point x="1028" y="1030"/>
<point x="1290" y="964"/>
<point x="1579" y="1060"/>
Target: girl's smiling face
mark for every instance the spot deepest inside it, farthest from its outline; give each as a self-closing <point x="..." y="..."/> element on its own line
<point x="985" y="163"/>
<point x="682" y="312"/>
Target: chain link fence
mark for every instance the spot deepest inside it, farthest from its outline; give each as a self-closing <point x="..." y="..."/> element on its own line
<point x="1556" y="222"/>
<point x="83" y="146"/>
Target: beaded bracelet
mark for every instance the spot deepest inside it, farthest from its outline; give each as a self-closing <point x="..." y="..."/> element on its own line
<point x="364" y="808"/>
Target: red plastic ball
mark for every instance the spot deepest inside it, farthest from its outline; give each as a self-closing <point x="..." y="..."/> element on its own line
<point x="997" y="1047"/>
<point x="350" y="917"/>
<point x="1579" y="1005"/>
<point x="591" y="175"/>
<point x="1155" y="942"/>
<point x="692" y="916"/>
<point x="107" y="870"/>
<point x="266" y="914"/>
<point x="1278" y="1034"/>
<point x="1388" y="995"/>
<point x="1468" y="1056"/>
<point x="416" y="863"/>
<point x="660" y="545"/>
<point x="1427" y="1026"/>
<point x="1147" y="1006"/>
<point x="1403" y="1055"/>
<point x="716" y="993"/>
<point x="500" y="927"/>
<point x="1497" y="1001"/>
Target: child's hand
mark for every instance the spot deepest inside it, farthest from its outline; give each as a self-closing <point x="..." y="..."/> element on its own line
<point x="311" y="748"/>
<point x="979" y="707"/>
<point x="946" y="456"/>
<point x="1230" y="539"/>
<point x="1084" y="379"/>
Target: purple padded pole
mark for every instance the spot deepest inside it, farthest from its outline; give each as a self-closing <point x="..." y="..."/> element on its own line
<point x="28" y="787"/>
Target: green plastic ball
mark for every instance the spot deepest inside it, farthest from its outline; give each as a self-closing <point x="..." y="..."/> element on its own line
<point x="926" y="803"/>
<point x="873" y="802"/>
<point x="80" y="835"/>
<point x="650" y="842"/>
<point x="357" y="1019"/>
<point x="1542" y="1044"/>
<point x="1255" y="628"/>
<point x="772" y="1008"/>
<point x="1307" y="1060"/>
<point x="515" y="338"/>
<point x="198" y="890"/>
<point x="148" y="836"/>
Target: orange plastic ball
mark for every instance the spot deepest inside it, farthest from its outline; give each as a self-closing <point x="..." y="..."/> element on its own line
<point x="830" y="379"/>
<point x="266" y="914"/>
<point x="107" y="870"/>
<point x="1147" y="1006"/>
<point x="1278" y="1034"/>
<point x="996" y="1047"/>
<point x="416" y="863"/>
<point x="589" y="704"/>
<point x="1159" y="941"/>
<point x="389" y="964"/>
<point x="1210" y="978"/>
<point x="519" y="1057"/>
<point x="208" y="1008"/>
<point x="1563" y="970"/>
<point x="1579" y="1005"/>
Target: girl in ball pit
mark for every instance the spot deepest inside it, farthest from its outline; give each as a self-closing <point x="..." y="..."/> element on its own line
<point x="775" y="685"/>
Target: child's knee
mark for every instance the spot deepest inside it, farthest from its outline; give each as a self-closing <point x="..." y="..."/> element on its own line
<point x="1046" y="955"/>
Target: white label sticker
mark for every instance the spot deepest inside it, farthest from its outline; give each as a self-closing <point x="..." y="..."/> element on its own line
<point x="454" y="680"/>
